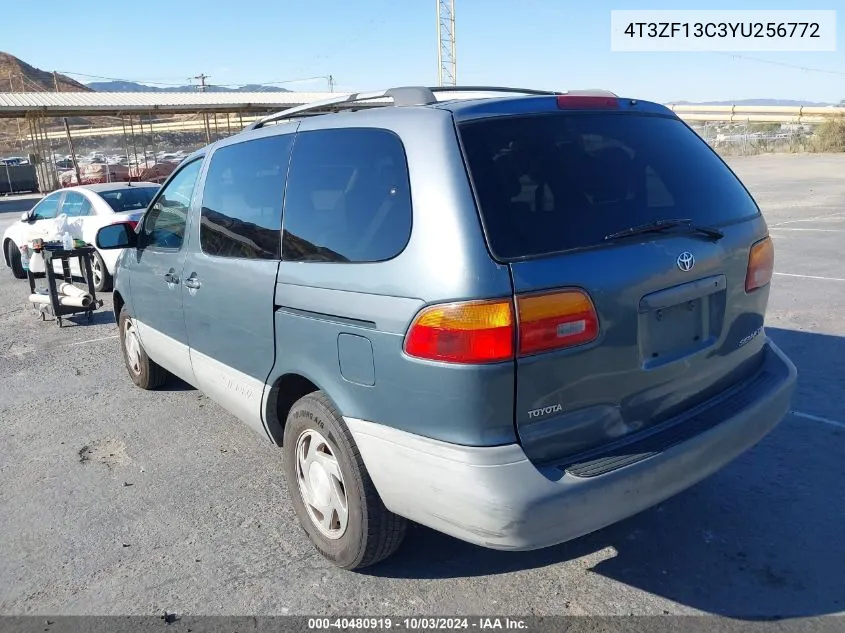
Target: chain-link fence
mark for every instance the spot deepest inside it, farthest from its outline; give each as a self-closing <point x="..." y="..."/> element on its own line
<point x="750" y="138"/>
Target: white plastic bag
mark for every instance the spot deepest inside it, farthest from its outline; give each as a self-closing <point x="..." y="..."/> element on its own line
<point x="74" y="227"/>
<point x="59" y="227"/>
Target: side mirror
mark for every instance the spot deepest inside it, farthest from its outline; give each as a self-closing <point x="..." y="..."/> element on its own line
<point x="26" y="215"/>
<point x="114" y="236"/>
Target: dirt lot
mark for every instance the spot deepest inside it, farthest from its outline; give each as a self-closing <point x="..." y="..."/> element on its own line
<point x="118" y="501"/>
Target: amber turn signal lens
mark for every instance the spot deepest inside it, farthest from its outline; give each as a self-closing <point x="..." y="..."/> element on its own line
<point x="761" y="264"/>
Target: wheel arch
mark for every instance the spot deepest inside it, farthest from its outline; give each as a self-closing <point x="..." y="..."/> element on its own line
<point x="119" y="302"/>
<point x="282" y="395"/>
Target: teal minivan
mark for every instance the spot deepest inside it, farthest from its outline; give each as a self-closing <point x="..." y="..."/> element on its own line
<point x="513" y="316"/>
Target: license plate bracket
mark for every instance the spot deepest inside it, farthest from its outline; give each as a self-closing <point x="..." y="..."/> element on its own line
<point x="678" y="322"/>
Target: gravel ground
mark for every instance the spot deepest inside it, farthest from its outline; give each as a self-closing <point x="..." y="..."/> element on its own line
<point x="118" y="501"/>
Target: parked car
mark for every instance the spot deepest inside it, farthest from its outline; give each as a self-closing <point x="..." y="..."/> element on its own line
<point x="94" y="206"/>
<point x="515" y="318"/>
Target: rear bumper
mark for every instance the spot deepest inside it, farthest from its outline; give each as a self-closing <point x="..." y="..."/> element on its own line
<point x="495" y="497"/>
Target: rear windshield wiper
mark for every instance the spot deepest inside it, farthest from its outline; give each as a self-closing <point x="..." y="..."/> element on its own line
<point x="662" y="225"/>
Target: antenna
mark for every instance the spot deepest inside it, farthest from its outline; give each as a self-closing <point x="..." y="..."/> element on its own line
<point x="446" y="60"/>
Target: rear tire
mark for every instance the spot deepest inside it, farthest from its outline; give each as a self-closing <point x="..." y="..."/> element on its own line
<point x="102" y="277"/>
<point x="15" y="264"/>
<point x="143" y="371"/>
<point x="322" y="462"/>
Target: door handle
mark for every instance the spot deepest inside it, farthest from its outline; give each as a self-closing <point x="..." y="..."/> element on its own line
<point x="171" y="278"/>
<point x="192" y="282"/>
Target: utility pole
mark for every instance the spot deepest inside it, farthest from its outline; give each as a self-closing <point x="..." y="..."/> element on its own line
<point x="202" y="77"/>
<point x="20" y="132"/>
<point x="446" y="59"/>
<point x="69" y="139"/>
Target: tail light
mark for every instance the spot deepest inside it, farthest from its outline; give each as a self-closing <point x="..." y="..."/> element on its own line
<point x="467" y="332"/>
<point x="761" y="264"/>
<point x="485" y="331"/>
<point x="133" y="224"/>
<point x="555" y="320"/>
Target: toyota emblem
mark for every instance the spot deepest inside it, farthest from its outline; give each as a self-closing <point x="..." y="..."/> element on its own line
<point x="686" y="261"/>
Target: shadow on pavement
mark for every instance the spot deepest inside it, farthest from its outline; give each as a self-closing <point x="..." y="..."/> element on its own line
<point x="176" y="384"/>
<point x="102" y="317"/>
<point x="760" y="539"/>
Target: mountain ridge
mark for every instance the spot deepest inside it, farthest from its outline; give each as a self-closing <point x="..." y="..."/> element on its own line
<point x="758" y="102"/>
<point x="18" y="76"/>
<point x="134" y="86"/>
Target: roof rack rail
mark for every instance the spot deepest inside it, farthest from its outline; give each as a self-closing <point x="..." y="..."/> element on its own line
<point x="401" y="96"/>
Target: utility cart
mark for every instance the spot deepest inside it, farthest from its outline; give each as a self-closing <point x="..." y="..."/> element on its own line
<point x="59" y="306"/>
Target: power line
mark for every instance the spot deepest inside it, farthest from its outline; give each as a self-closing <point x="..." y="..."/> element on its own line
<point x="229" y="85"/>
<point x="38" y="88"/>
<point x="138" y="81"/>
<point x="286" y="81"/>
<point x="785" y="64"/>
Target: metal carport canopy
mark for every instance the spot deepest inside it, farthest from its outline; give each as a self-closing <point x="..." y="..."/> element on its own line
<point x="60" y="104"/>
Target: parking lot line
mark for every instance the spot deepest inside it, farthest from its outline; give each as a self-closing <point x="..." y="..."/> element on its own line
<point x="817" y="418"/>
<point x="810" y="277"/>
<point x="93" y="340"/>
<point x="789" y="228"/>
<point x="828" y="216"/>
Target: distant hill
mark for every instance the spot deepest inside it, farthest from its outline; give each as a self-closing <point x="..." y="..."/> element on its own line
<point x="131" y="86"/>
<point x="18" y="76"/>
<point x="756" y="102"/>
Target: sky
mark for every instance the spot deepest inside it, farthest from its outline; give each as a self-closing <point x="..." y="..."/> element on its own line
<point x="376" y="44"/>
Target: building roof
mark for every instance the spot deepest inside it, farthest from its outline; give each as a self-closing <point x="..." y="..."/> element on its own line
<point x="19" y="104"/>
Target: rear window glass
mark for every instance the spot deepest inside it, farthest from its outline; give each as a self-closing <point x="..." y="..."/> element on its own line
<point x="554" y="182"/>
<point x="129" y="198"/>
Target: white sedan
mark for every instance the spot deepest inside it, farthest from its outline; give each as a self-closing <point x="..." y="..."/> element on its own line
<point x="87" y="207"/>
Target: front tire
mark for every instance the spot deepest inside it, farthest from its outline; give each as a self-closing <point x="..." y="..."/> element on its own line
<point x="143" y="371"/>
<point x="15" y="264"/>
<point x="334" y="498"/>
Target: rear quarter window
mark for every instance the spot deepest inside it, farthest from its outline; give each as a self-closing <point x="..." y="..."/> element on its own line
<point x="348" y="197"/>
<point x="554" y="182"/>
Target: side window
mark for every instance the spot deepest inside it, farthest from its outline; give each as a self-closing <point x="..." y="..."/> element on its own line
<point x="47" y="208"/>
<point x="76" y="205"/>
<point x="348" y="197"/>
<point x="164" y="222"/>
<point x="242" y="200"/>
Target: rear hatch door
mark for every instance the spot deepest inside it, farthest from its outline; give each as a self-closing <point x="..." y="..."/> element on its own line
<point x="632" y="218"/>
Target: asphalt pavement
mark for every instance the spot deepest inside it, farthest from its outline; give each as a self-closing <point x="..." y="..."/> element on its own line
<point x="118" y="501"/>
